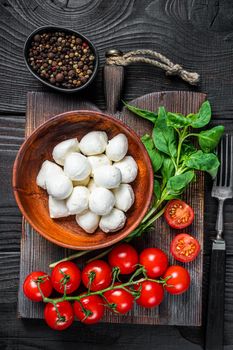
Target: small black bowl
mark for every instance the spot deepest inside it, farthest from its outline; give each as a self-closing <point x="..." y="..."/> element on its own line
<point x="45" y="29"/>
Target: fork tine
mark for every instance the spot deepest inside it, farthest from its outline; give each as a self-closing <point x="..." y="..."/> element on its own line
<point x="226" y="160"/>
<point x="221" y="162"/>
<point x="231" y="161"/>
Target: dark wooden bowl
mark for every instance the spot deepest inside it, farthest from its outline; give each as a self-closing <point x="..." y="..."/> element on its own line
<point x="33" y="201"/>
<point x="46" y="29"/>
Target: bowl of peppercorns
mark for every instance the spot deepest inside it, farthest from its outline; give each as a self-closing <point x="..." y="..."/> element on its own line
<point x="61" y="58"/>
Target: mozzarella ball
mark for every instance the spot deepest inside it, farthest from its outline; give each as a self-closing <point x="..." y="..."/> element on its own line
<point x="128" y="168"/>
<point x="117" y="147"/>
<point x="91" y="185"/>
<point x="62" y="149"/>
<point x="107" y="176"/>
<point x="88" y="220"/>
<point x="78" y="200"/>
<point x="84" y="182"/>
<point x="93" y="143"/>
<point x="57" y="208"/>
<point x="124" y="196"/>
<point x="47" y="169"/>
<point x="101" y="201"/>
<point x="98" y="161"/>
<point x="77" y="167"/>
<point x="112" y="222"/>
<point x="59" y="186"/>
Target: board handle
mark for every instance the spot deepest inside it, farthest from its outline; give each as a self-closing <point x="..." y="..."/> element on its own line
<point x="113" y="76"/>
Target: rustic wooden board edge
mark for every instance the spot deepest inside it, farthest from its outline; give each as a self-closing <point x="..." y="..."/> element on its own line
<point x="127" y="117"/>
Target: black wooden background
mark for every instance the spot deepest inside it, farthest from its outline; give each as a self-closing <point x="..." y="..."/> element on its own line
<point x="195" y="33"/>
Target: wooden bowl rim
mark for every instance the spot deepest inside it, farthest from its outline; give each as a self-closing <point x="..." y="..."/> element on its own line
<point x="46" y="124"/>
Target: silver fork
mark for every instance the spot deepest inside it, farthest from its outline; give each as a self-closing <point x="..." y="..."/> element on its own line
<point x="222" y="190"/>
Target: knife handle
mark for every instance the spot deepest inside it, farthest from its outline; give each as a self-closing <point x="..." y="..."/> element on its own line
<point x="214" y="337"/>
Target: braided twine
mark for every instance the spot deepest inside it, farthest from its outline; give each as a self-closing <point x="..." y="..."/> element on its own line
<point x="155" y="59"/>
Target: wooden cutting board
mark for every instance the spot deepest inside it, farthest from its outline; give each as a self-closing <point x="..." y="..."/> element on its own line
<point x="37" y="253"/>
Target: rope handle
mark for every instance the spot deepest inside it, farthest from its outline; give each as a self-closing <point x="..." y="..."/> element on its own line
<point x="116" y="57"/>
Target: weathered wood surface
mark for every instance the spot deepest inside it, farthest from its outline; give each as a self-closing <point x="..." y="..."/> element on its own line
<point x="37" y="254"/>
<point x="195" y="33"/>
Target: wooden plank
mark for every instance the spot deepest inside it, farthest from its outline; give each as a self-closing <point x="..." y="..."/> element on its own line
<point x="36" y="253"/>
<point x="192" y="33"/>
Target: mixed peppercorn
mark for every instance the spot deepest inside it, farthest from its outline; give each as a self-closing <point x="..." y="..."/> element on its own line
<point x="64" y="60"/>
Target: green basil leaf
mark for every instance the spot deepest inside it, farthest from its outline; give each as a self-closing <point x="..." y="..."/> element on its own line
<point x="203" y="117"/>
<point x="157" y="189"/>
<point x="177" y="120"/>
<point x="203" y="161"/>
<point x="155" y="156"/>
<point x="164" y="136"/>
<point x="172" y="196"/>
<point x="209" y="139"/>
<point x="186" y="150"/>
<point x="178" y="183"/>
<point x="148" y="142"/>
<point x="151" y="116"/>
<point x="161" y="121"/>
<point x="167" y="169"/>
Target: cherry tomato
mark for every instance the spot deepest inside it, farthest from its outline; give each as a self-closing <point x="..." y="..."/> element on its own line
<point x="61" y="318"/>
<point x="97" y="274"/>
<point x="155" y="262"/>
<point x="94" y="305"/>
<point x="30" y="286"/>
<point x="179" y="281"/>
<point x="125" y="257"/>
<point x="184" y="247"/>
<point x="152" y="294"/>
<point x="122" y="299"/>
<point x="179" y="214"/>
<point x="66" y="274"/>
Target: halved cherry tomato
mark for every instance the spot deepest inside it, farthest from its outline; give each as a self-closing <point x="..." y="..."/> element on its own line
<point x="94" y="305"/>
<point x="59" y="317"/>
<point x="30" y="286"/>
<point x="179" y="280"/>
<point x="120" y="298"/>
<point x="155" y="262"/>
<point x="97" y="275"/>
<point x="185" y="247"/>
<point x="179" y="214"/>
<point x="152" y="294"/>
<point x="125" y="257"/>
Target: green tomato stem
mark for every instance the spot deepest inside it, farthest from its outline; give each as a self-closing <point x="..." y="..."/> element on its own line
<point x="101" y="255"/>
<point x="101" y="292"/>
<point x="70" y="257"/>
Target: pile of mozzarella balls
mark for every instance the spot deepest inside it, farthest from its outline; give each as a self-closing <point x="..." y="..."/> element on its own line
<point x="93" y="183"/>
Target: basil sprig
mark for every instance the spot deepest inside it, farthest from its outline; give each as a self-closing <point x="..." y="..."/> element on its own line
<point x="174" y="155"/>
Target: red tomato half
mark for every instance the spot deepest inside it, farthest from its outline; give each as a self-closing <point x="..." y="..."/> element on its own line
<point x="122" y="299"/>
<point x="155" y="262"/>
<point x="184" y="247"/>
<point x="94" y="304"/>
<point x="100" y="273"/>
<point x="179" y="214"/>
<point x="125" y="257"/>
<point x="66" y="274"/>
<point x="59" y="320"/>
<point x="30" y="286"/>
<point x="152" y="294"/>
<point x="179" y="280"/>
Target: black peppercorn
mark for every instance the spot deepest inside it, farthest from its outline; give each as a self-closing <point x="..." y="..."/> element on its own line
<point x="59" y="77"/>
<point x="37" y="37"/>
